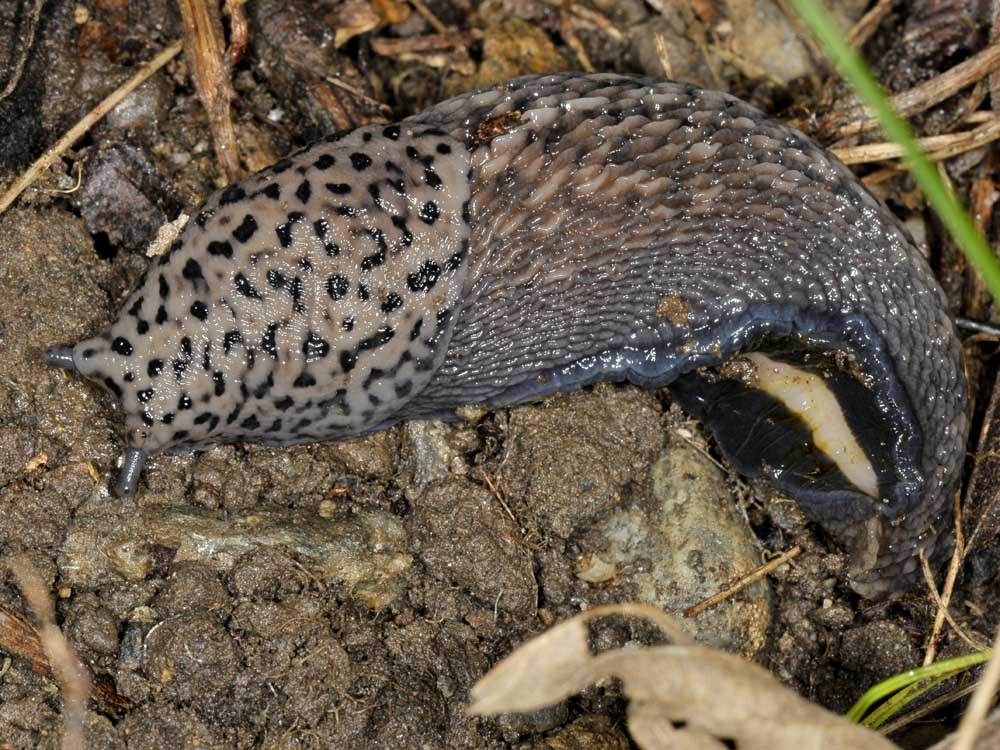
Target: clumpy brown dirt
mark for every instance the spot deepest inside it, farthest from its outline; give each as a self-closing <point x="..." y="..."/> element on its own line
<point x="349" y="595"/>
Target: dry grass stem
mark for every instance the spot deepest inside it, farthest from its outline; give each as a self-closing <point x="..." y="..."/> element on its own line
<point x="919" y="98"/>
<point x="72" y="675"/>
<point x="210" y="72"/>
<point x="356" y="92"/>
<point x="981" y="701"/>
<point x="86" y="123"/>
<point x="742" y="583"/>
<point x="239" y="32"/>
<point x="861" y="31"/>
<point x="27" y="41"/>
<point x="663" y="54"/>
<point x="395" y="46"/>
<point x="568" y="31"/>
<point x="937" y="147"/>
<point x="598" y="20"/>
<point x="949" y="583"/>
<point x="423" y="10"/>
<point x="969" y="639"/>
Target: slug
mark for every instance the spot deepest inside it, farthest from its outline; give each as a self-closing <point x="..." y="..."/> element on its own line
<point x="543" y="235"/>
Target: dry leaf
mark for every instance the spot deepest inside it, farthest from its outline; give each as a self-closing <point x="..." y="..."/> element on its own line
<point x="391" y="11"/>
<point x="353" y="19"/>
<point x="680" y="696"/>
<point x="988" y="737"/>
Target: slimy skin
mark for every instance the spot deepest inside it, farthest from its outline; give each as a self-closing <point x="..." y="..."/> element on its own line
<point x="537" y="237"/>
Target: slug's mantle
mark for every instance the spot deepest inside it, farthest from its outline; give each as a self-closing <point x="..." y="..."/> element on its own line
<point x="549" y="233"/>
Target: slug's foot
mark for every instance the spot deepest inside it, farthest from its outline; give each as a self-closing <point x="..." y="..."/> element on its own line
<point x="59" y="356"/>
<point x="128" y="478"/>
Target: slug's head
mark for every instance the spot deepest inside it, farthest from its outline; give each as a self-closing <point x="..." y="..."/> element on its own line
<point x="149" y="378"/>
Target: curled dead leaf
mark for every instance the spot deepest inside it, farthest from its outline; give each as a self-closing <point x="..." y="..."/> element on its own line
<point x="680" y="695"/>
<point x="354" y="19"/>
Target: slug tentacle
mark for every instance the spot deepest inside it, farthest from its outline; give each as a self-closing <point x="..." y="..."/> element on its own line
<point x="546" y="234"/>
<point x="59" y="356"/>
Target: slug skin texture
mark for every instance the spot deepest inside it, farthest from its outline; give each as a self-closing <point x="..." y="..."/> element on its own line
<point x="536" y="237"/>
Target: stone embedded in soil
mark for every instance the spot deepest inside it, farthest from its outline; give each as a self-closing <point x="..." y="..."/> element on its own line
<point x="123" y="196"/>
<point x="679" y="57"/>
<point x="427" y="456"/>
<point x="763" y="37"/>
<point x="689" y="543"/>
<point x="464" y="536"/>
<point x="364" y="551"/>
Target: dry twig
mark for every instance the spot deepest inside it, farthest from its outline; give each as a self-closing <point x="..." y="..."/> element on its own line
<point x="429" y="16"/>
<point x="981" y="701"/>
<point x="860" y="32"/>
<point x="937" y="147"/>
<point x="743" y="582"/>
<point x="210" y="71"/>
<point x="76" y="132"/>
<point x="27" y="41"/>
<point x="949" y="583"/>
<point x="395" y="46"/>
<point x="858" y="119"/>
<point x="239" y="32"/>
<point x="970" y="641"/>
<point x="72" y="675"/>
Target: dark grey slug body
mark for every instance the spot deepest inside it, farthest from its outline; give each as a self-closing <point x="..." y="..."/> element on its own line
<point x="612" y="228"/>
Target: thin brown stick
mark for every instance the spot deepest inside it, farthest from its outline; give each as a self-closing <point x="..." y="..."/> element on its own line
<point x="598" y="20"/>
<point x="959" y="630"/>
<point x="239" y="32"/>
<point x="19" y="638"/>
<point x="355" y="91"/>
<point x="395" y="46"/>
<point x="949" y="584"/>
<point x="429" y="16"/>
<point x="568" y="32"/>
<point x="939" y="88"/>
<point x="86" y="123"/>
<point x="982" y="699"/>
<point x="743" y="582"/>
<point x="205" y="51"/>
<point x="663" y="54"/>
<point x="860" y="32"/>
<point x="72" y="675"/>
<point x="936" y="147"/>
<point x="27" y="42"/>
<point x="994" y="79"/>
<point x="919" y="98"/>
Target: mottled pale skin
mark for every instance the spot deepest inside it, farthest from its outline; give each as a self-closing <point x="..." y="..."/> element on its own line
<point x="531" y="238"/>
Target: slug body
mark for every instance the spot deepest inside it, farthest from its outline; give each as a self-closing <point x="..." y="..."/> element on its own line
<point x="550" y="233"/>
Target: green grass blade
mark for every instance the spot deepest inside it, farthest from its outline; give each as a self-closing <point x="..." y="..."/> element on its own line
<point x="894" y="684"/>
<point x="901" y="699"/>
<point x="825" y="29"/>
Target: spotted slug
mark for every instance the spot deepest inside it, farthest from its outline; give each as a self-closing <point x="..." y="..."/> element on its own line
<point x="543" y="235"/>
